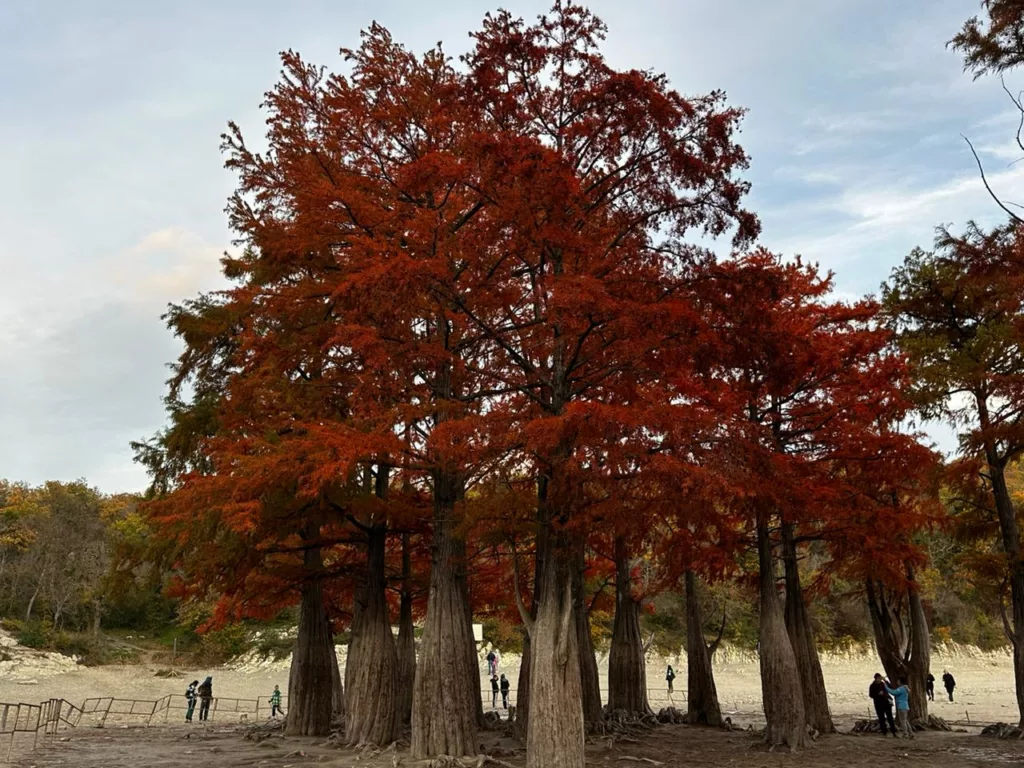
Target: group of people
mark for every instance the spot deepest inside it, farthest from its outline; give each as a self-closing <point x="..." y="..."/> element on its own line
<point x="884" y="695"/>
<point x="947" y="682"/>
<point x="201" y="693"/>
<point x="501" y="685"/>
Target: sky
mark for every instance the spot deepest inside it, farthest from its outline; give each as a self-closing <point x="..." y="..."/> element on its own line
<point x="112" y="187"/>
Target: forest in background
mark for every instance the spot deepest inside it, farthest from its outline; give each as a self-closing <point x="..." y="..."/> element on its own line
<point x="75" y="575"/>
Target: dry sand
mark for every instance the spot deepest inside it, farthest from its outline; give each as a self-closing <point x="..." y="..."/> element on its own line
<point x="984" y="692"/>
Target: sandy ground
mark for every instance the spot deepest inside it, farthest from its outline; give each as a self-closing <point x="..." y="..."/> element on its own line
<point x="984" y="692"/>
<point x="226" y="747"/>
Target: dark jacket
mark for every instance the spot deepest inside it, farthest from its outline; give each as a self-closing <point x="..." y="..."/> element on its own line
<point x="505" y="684"/>
<point x="948" y="681"/>
<point x="494" y="684"/>
<point x="206" y="690"/>
<point x="879" y="695"/>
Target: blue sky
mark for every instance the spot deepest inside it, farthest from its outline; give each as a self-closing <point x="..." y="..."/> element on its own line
<point x="112" y="193"/>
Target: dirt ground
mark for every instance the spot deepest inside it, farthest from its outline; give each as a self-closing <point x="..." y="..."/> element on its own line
<point x="984" y="690"/>
<point x="226" y="747"/>
<point x="984" y="694"/>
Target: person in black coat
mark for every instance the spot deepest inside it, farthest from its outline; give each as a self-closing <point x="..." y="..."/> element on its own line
<point x="949" y="683"/>
<point x="205" y="697"/>
<point x="883" y="705"/>
<point x="929" y="686"/>
<point x="504" y="691"/>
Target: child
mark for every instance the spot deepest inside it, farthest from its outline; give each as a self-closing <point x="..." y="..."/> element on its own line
<point x="275" y="702"/>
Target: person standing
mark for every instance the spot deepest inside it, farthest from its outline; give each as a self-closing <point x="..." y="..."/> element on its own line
<point x="494" y="691"/>
<point x="929" y="686"/>
<point x="901" y="693"/>
<point x="883" y="705"/>
<point x="190" y="699"/>
<point x="491" y="658"/>
<point x="504" y="691"/>
<point x="205" y="697"/>
<point x="949" y="683"/>
<point x="497" y="661"/>
<point x="670" y="675"/>
<point x="275" y="702"/>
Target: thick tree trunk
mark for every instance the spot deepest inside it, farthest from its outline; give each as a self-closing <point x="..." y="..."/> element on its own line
<point x="589" y="678"/>
<point x="780" y="680"/>
<point x="540" y="558"/>
<point x="447" y="688"/>
<point x="627" y="667"/>
<point x="904" y="650"/>
<point x="406" y="640"/>
<point x="555" y="737"/>
<point x="1010" y="540"/>
<point x="702" y="706"/>
<point x="798" y="624"/>
<point x="371" y="674"/>
<point x="309" y="689"/>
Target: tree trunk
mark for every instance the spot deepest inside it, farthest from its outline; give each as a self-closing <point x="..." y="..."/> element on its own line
<point x="702" y="706"/>
<point x="780" y="680"/>
<point x="798" y="624"/>
<point x="1010" y="539"/>
<point x="447" y="683"/>
<point x="309" y="699"/>
<point x="903" y="649"/>
<point x="32" y="600"/>
<point x="540" y="558"/>
<point x="371" y="674"/>
<point x="555" y="736"/>
<point x="589" y="678"/>
<point x="97" y="617"/>
<point x="406" y="640"/>
<point x="627" y="667"/>
<point x="920" y="652"/>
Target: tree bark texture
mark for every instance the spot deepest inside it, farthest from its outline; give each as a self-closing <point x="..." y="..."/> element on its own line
<point x="371" y="673"/>
<point x="627" y="667"/>
<point x="555" y="736"/>
<point x="902" y="641"/>
<point x="309" y="680"/>
<point x="447" y="682"/>
<point x="702" y="707"/>
<point x="1009" y="534"/>
<point x="780" y="679"/>
<point x="798" y="624"/>
<point x="406" y="640"/>
<point x="590" y="681"/>
<point x="540" y="558"/>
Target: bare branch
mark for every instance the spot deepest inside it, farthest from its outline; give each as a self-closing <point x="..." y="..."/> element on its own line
<point x="984" y="180"/>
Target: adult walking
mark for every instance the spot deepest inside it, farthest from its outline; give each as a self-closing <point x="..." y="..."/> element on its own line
<point x="494" y="691"/>
<point x="670" y="675"/>
<point x="949" y="683"/>
<point x="901" y="694"/>
<point x="504" y="691"/>
<point x="491" y="658"/>
<point x="929" y="686"/>
<point x="205" y="697"/>
<point x="883" y="705"/>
